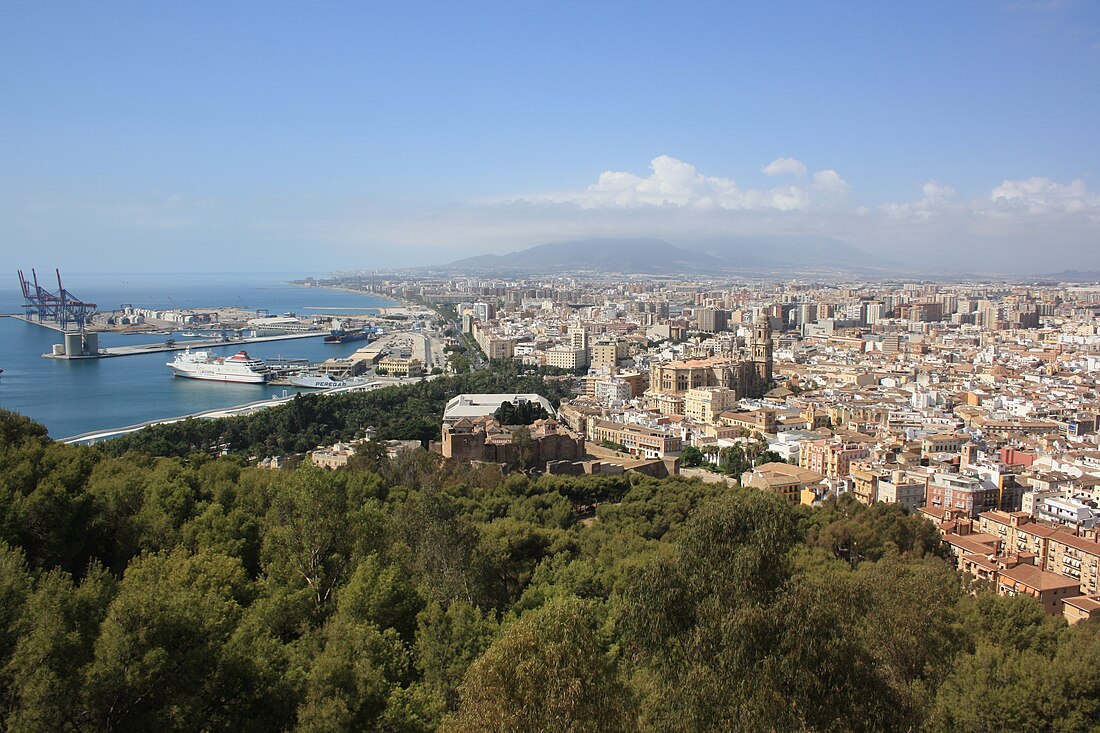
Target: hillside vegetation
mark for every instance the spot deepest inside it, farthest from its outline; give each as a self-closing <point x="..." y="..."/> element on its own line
<point x="405" y="412"/>
<point x="191" y="593"/>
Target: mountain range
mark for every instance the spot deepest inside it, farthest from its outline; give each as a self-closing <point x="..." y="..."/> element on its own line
<point x="740" y="255"/>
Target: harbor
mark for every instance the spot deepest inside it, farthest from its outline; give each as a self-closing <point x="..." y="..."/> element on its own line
<point x="76" y="396"/>
<point x="82" y="323"/>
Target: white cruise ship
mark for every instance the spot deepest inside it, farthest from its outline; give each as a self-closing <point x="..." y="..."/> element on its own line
<point x="237" y="368"/>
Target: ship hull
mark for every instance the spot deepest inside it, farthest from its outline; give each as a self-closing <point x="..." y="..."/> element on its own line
<point x="312" y="382"/>
<point x="344" y="338"/>
<point x="237" y="378"/>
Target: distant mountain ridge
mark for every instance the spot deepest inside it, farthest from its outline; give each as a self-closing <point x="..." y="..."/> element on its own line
<point x="649" y="256"/>
<point x="657" y="256"/>
<point x="1073" y="276"/>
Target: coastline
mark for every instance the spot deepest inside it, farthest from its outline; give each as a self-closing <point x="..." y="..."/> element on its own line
<point x="402" y="307"/>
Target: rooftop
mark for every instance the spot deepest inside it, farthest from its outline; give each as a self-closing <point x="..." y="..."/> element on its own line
<point x="480" y="405"/>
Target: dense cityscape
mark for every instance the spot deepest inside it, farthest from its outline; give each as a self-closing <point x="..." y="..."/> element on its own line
<point x="974" y="404"/>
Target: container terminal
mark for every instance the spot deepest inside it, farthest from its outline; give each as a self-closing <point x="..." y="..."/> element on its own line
<point x="80" y="324"/>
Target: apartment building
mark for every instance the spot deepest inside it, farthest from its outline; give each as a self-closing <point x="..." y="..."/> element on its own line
<point x="1013" y="575"/>
<point x="705" y="403"/>
<point x="402" y="366"/>
<point x="576" y="416"/>
<point x="1057" y="550"/>
<point x="711" y="320"/>
<point x="1068" y="511"/>
<point x="965" y="493"/>
<point x="566" y="357"/>
<point x="830" y="459"/>
<point x="1081" y="608"/>
<point x="754" y="421"/>
<point x="897" y="488"/>
<point x="608" y="353"/>
<point x="865" y="484"/>
<point x="1075" y="557"/>
<point x="781" y="478"/>
<point x="610" y="390"/>
<point x="639" y="440"/>
<point x="496" y="348"/>
<point x="938" y="446"/>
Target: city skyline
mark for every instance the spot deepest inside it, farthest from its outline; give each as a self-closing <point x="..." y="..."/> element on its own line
<point x="247" y="137"/>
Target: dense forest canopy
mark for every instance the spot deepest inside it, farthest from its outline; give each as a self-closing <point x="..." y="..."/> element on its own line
<point x="196" y="593"/>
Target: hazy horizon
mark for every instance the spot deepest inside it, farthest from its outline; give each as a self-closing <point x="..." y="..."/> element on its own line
<point x="253" y="138"/>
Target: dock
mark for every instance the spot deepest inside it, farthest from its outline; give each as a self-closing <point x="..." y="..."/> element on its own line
<point x="35" y="322"/>
<point x="205" y="343"/>
<point x="163" y="346"/>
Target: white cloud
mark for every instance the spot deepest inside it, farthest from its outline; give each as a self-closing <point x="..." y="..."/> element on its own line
<point x="935" y="193"/>
<point x="785" y="166"/>
<point x="675" y="183"/>
<point x="1042" y="196"/>
<point x="936" y="198"/>
<point x="1012" y="200"/>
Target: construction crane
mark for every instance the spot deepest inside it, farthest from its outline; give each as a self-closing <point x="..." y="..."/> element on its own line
<point x="62" y="307"/>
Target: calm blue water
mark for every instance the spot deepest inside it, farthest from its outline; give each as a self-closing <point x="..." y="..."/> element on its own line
<point x="73" y="397"/>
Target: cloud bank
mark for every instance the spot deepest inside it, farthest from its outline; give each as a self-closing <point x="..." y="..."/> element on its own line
<point x="1034" y="224"/>
<point x="675" y="183"/>
<point x="1017" y="225"/>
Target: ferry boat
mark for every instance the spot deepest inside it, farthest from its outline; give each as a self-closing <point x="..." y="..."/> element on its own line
<point x="240" y="367"/>
<point x="324" y="381"/>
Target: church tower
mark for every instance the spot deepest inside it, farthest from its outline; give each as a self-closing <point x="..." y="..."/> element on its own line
<point x="762" y="350"/>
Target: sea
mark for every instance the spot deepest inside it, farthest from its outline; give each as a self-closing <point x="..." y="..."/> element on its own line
<point x="80" y="396"/>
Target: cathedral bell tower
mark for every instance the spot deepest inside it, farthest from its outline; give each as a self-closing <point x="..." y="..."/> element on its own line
<point x="762" y="350"/>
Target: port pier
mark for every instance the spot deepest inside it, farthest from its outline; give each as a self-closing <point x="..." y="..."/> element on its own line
<point x="164" y="346"/>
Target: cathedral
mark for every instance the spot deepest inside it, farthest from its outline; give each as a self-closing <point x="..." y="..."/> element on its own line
<point x="669" y="381"/>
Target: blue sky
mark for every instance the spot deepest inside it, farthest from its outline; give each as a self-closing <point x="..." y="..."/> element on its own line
<point x="391" y="134"/>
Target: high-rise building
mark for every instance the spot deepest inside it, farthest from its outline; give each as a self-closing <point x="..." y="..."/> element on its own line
<point x="578" y="338"/>
<point x="608" y="352"/>
<point x="711" y="319"/>
<point x="484" y="311"/>
<point x="872" y="310"/>
<point x="807" y="313"/>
